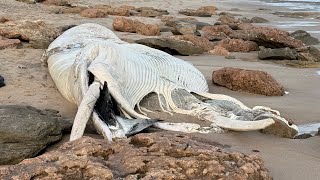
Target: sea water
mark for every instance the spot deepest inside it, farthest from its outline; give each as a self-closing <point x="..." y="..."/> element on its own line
<point x="298" y="5"/>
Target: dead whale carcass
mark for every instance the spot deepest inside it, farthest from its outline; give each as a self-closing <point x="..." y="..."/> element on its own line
<point x="85" y="58"/>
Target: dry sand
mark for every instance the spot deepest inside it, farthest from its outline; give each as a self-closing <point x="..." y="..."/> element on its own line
<point x="29" y="83"/>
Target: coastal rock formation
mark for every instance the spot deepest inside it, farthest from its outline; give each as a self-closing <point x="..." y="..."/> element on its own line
<point x="194" y="12"/>
<point x="134" y="26"/>
<point x="144" y="156"/>
<point x="148" y="30"/>
<point x="305" y="37"/>
<point x="230" y="21"/>
<point x="258" y="20"/>
<point x="201" y="42"/>
<point x="185" y="28"/>
<point x="218" y="32"/>
<point x="37" y="33"/>
<point x="9" y="43"/>
<point x="150" y="12"/>
<point x="311" y="54"/>
<point x="220" y="51"/>
<point x="238" y="45"/>
<point x="277" y="54"/>
<point x="251" y="81"/>
<point x="172" y="46"/>
<point x="57" y="2"/>
<point x="268" y="37"/>
<point x="93" y="13"/>
<point x="25" y="131"/>
<point x="125" y="25"/>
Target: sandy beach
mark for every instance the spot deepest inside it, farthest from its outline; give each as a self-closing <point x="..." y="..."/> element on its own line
<point x="29" y="83"/>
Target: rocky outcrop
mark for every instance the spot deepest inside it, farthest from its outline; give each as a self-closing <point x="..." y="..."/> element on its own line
<point x="258" y="20"/>
<point x="9" y="43"/>
<point x="37" y="33"/>
<point x="217" y="32"/>
<point x="134" y="26"/>
<point x="25" y="131"/>
<point x="268" y="37"/>
<point x="305" y="37"/>
<point x="277" y="54"/>
<point x="238" y="45"/>
<point x="200" y="42"/>
<point x="205" y="11"/>
<point x="144" y="156"/>
<point x="93" y="13"/>
<point x="172" y="46"/>
<point x="219" y="51"/>
<point x="251" y="81"/>
<point x="150" y="12"/>
<point x="311" y="54"/>
<point x="148" y="30"/>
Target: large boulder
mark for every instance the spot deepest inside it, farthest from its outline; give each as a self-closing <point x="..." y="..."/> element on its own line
<point x="251" y="81"/>
<point x="135" y="26"/>
<point x="25" y="131"/>
<point x="144" y="156"/>
<point x="277" y="54"/>
<point x="185" y="28"/>
<point x="9" y="43"/>
<point x="37" y="33"/>
<point x="305" y="37"/>
<point x="172" y="46"/>
<point x="238" y="45"/>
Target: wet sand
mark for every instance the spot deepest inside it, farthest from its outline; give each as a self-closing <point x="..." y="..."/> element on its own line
<point x="29" y="83"/>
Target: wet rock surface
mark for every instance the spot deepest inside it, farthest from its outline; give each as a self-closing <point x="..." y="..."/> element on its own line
<point x="2" y="83"/>
<point x="277" y="54"/>
<point x="251" y="81"/>
<point x="305" y="37"/>
<point x="25" y="131"/>
<point x="37" y="33"/>
<point x="144" y="156"/>
<point x="172" y="46"/>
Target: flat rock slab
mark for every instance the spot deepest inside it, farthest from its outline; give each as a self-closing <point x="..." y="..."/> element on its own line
<point x="25" y="131"/>
<point x="144" y="156"/>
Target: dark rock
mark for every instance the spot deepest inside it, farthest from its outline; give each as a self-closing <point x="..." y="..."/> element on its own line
<point x="252" y="81"/>
<point x="171" y="46"/>
<point x="2" y="83"/>
<point x="277" y="54"/>
<point x="258" y="20"/>
<point x="305" y="37"/>
<point x="311" y="54"/>
<point x="25" y="131"/>
<point x="37" y="33"/>
<point x="144" y="156"/>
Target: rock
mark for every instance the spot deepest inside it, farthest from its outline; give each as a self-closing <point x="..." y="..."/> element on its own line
<point x="25" y="131"/>
<point x="258" y="20"/>
<point x="126" y="25"/>
<point x="218" y="32"/>
<point x="151" y="12"/>
<point x="311" y="54"/>
<point x="185" y="28"/>
<point x="57" y="2"/>
<point x="277" y="54"/>
<point x="2" y="83"/>
<point x="70" y="10"/>
<point x="93" y="13"/>
<point x="4" y="19"/>
<point x="220" y="51"/>
<point x="166" y="29"/>
<point x="201" y="42"/>
<point x="172" y="46"/>
<point x="120" y="11"/>
<point x="9" y="43"/>
<point x="144" y="156"/>
<point x="166" y="19"/>
<point x="305" y="37"/>
<point x="193" y="12"/>
<point x="226" y="20"/>
<point x="208" y="9"/>
<point x="251" y="81"/>
<point x="245" y="26"/>
<point x="199" y="25"/>
<point x="148" y="30"/>
<point x="37" y="33"/>
<point x="28" y="1"/>
<point x="268" y="37"/>
<point x="238" y="45"/>
<point x="230" y="57"/>
<point x="245" y="20"/>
